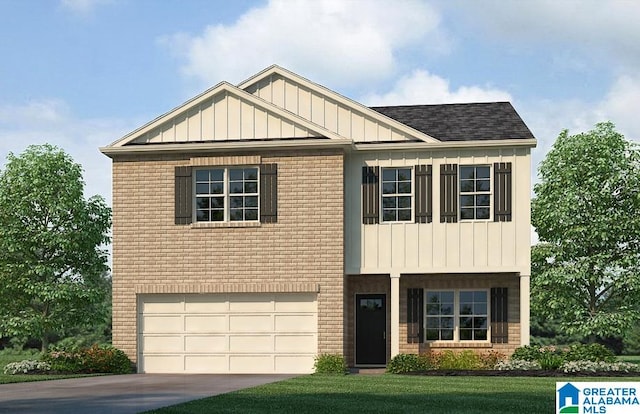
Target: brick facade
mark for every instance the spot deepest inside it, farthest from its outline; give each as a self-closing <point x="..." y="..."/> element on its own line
<point x="302" y="252"/>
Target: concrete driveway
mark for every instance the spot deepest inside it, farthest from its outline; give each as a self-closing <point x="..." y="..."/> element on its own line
<point x="122" y="394"/>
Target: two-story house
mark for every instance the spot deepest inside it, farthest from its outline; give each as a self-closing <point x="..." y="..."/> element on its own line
<point x="259" y="225"/>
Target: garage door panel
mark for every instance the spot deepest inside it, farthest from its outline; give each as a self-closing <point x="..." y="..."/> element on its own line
<point x="251" y="343"/>
<point x="206" y="364"/>
<point x="293" y="364"/>
<point x="295" y="343"/>
<point x="251" y="363"/>
<point x="162" y="324"/>
<point x="164" y="363"/>
<point x="167" y="344"/>
<point x="162" y="304"/>
<point x="206" y="304"/>
<point x="208" y="343"/>
<point x="202" y="324"/>
<point x="250" y="323"/>
<point x="295" y="323"/>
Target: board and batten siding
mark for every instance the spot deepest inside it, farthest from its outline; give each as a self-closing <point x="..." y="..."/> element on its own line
<point x="320" y="109"/>
<point x="223" y="117"/>
<point x="439" y="247"/>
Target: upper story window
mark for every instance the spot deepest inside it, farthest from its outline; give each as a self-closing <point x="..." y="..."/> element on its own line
<point x="457" y="315"/>
<point x="396" y="194"/>
<point x="226" y="194"/>
<point x="475" y="192"/>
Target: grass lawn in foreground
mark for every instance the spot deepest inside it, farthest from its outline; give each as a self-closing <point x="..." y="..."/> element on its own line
<point x="389" y="394"/>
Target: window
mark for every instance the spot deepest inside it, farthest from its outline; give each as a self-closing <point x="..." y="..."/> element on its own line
<point x="475" y="192"/>
<point x="456" y="315"/>
<point x="396" y="194"/>
<point x="440" y="317"/>
<point x="227" y="194"/>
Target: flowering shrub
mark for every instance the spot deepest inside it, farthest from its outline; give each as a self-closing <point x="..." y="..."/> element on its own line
<point x="599" y="366"/>
<point x="517" y="365"/>
<point x="464" y="360"/>
<point x="26" y="367"/>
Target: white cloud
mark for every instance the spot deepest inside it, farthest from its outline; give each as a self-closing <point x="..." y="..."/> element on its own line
<point x="51" y="121"/>
<point x="422" y="87"/>
<point x="333" y="42"/>
<point x="597" y="29"/>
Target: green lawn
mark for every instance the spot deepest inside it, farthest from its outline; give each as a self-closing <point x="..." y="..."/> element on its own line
<point x="388" y="394"/>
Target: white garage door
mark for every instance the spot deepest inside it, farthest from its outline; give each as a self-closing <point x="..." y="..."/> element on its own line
<point x="227" y="333"/>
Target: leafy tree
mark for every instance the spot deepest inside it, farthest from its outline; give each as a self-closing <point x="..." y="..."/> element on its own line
<point x="52" y="255"/>
<point x="586" y="211"/>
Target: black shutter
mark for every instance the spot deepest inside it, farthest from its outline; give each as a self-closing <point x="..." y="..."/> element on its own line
<point x="415" y="315"/>
<point x="370" y="195"/>
<point x="268" y="193"/>
<point x="424" y="191"/>
<point x="502" y="191"/>
<point x="499" y="316"/>
<point x="183" y="196"/>
<point x="449" y="193"/>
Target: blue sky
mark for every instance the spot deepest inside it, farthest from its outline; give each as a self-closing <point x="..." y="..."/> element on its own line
<point x="82" y="73"/>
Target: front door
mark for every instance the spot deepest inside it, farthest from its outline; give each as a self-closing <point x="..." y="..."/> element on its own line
<point x="371" y="330"/>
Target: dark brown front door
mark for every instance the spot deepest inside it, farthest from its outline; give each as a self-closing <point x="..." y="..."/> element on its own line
<point x="371" y="327"/>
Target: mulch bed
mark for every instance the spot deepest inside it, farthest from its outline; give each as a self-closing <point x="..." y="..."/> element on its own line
<point x="520" y="373"/>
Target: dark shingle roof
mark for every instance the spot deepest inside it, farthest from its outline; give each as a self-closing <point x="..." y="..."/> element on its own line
<point x="462" y="122"/>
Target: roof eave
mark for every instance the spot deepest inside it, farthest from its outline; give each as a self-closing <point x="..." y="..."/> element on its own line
<point x="225" y="146"/>
<point x="404" y="146"/>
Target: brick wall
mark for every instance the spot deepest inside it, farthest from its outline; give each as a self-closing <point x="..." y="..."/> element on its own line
<point x="303" y="251"/>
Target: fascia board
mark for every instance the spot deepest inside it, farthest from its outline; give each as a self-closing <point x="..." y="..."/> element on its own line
<point x="278" y="70"/>
<point x="421" y="146"/>
<point x="225" y="146"/>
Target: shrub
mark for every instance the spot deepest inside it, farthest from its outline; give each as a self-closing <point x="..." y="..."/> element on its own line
<point x="491" y="358"/>
<point x="330" y="364"/>
<point x="64" y="362"/>
<point x="551" y="361"/>
<point x="465" y="360"/>
<point x="105" y="359"/>
<point x="517" y="365"/>
<point x="590" y="352"/>
<point x="26" y="366"/>
<point x="96" y="359"/>
<point x="528" y="353"/>
<point x="403" y="363"/>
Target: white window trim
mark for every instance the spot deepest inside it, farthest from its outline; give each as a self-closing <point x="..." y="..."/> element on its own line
<point x="490" y="193"/>
<point x="412" y="194"/>
<point x="226" y="194"/>
<point x="456" y="317"/>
